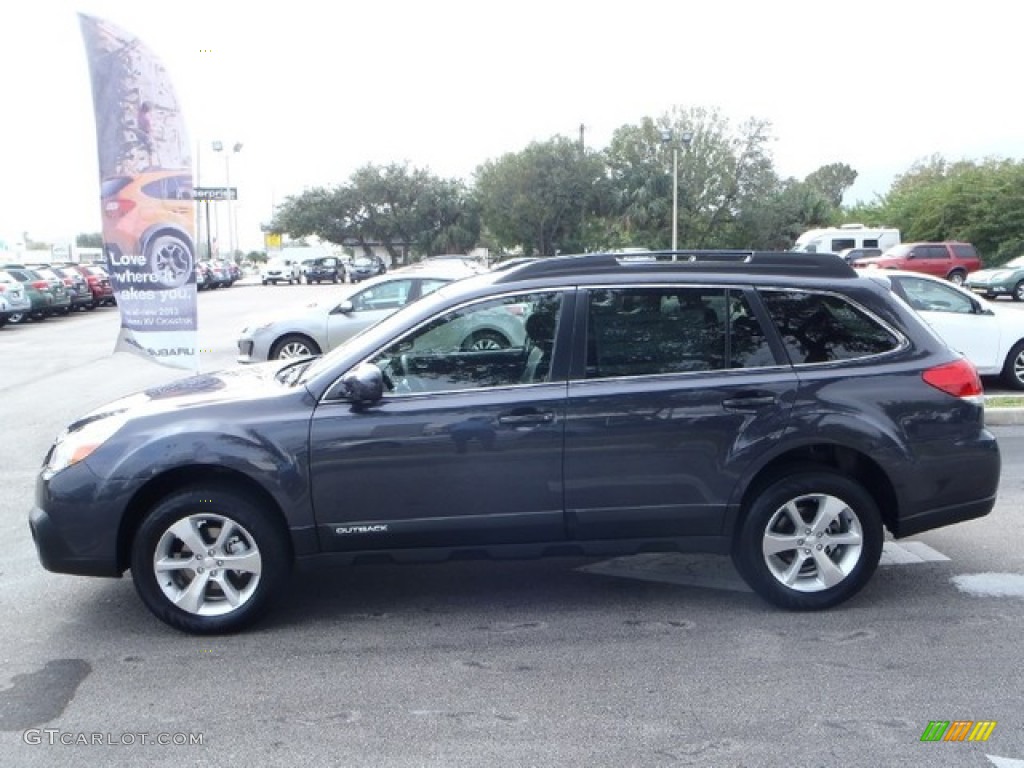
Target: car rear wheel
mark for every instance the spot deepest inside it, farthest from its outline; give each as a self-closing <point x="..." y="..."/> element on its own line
<point x="957" y="277"/>
<point x="1018" y="291"/>
<point x="485" y="341"/>
<point x="294" y="345"/>
<point x="1013" y="367"/>
<point x="208" y="560"/>
<point x="810" y="540"/>
<point x="17" y="318"/>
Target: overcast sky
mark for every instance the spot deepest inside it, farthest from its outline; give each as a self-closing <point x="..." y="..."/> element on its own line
<point x="313" y="89"/>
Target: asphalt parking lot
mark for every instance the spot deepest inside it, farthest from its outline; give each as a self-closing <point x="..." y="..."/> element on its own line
<point x="654" y="660"/>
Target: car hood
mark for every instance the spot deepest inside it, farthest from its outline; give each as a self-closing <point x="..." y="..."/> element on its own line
<point x="316" y="312"/>
<point x="876" y="261"/>
<point x="997" y="273"/>
<point x="253" y="382"/>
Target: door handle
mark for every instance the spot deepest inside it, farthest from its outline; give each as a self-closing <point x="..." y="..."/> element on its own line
<point x="538" y="417"/>
<point x="749" y="401"/>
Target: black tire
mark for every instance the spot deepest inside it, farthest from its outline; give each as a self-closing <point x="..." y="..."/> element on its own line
<point x="1018" y="291"/>
<point x="294" y="345"/>
<point x="957" y="277"/>
<point x="170" y="261"/>
<point x="18" y="318"/>
<point x="803" y="491"/>
<point x="1013" y="368"/>
<point x="480" y="341"/>
<point x="257" y="540"/>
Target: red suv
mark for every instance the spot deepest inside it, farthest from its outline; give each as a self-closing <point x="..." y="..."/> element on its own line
<point x="952" y="261"/>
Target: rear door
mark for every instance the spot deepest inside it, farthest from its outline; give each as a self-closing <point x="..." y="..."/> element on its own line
<point x="678" y="387"/>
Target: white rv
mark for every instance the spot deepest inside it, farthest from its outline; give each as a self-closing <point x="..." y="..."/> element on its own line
<point x="847" y="236"/>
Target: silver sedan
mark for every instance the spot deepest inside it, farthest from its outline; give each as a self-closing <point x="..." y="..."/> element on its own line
<point x="321" y="327"/>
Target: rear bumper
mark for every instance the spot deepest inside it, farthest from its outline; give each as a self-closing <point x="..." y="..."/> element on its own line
<point x="937" y="518"/>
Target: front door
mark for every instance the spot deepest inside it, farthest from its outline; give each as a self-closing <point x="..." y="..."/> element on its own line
<point x="464" y="449"/>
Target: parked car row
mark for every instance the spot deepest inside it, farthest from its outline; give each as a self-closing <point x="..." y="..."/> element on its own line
<point x="39" y="291"/>
<point x="217" y="274"/>
<point x="953" y="261"/>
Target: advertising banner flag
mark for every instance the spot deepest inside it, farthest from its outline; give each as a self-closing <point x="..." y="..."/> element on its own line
<point x="146" y="196"/>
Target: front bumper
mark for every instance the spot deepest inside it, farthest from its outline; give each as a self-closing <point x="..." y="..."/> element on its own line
<point x="57" y="555"/>
<point x="991" y="289"/>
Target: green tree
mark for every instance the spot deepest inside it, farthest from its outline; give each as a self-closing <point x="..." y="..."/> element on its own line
<point x="725" y="176"/>
<point x="832" y="181"/>
<point x="981" y="202"/>
<point x="89" y="240"/>
<point x="405" y="210"/>
<point x="539" y="199"/>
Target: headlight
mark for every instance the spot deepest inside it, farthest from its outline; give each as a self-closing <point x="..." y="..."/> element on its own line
<point x="73" y="447"/>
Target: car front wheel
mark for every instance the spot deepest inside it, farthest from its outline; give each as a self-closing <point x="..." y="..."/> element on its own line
<point x="810" y="540"/>
<point x="208" y="560"/>
<point x="294" y="345"/>
<point x="1018" y="291"/>
<point x="481" y="341"/>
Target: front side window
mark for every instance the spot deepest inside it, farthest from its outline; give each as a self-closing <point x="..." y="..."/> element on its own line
<point x="820" y="328"/>
<point x="671" y="329"/>
<point x="390" y="295"/>
<point x="494" y="343"/>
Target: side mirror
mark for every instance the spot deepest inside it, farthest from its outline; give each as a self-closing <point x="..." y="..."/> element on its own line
<point x="364" y="383"/>
<point x="345" y="307"/>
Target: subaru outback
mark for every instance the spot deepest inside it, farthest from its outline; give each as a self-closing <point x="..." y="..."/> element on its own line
<point x="774" y="407"/>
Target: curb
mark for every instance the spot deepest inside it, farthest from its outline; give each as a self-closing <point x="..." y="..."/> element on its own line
<point x="1001" y="417"/>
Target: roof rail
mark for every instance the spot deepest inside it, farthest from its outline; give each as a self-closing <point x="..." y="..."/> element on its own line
<point x="743" y="262"/>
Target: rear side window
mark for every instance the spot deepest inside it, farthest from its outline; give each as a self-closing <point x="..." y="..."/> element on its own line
<point x="820" y="328"/>
<point x="672" y="329"/>
<point x="965" y="251"/>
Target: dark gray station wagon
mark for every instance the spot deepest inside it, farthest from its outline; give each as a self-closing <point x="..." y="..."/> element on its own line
<point x="774" y="407"/>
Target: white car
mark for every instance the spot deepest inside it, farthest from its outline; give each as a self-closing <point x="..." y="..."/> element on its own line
<point x="281" y="271"/>
<point x="990" y="335"/>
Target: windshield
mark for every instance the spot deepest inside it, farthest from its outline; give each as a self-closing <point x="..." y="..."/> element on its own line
<point x="898" y="251"/>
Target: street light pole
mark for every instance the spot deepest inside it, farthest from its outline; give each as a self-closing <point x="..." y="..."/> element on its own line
<point x="675" y="197"/>
<point x="232" y="231"/>
<point x="666" y="138"/>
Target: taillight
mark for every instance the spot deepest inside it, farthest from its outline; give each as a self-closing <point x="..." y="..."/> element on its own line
<point x="92" y="279"/>
<point x="40" y="285"/>
<point x="958" y="378"/>
<point x="115" y="209"/>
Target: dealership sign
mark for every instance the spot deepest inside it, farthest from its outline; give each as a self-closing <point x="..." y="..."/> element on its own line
<point x="208" y="194"/>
